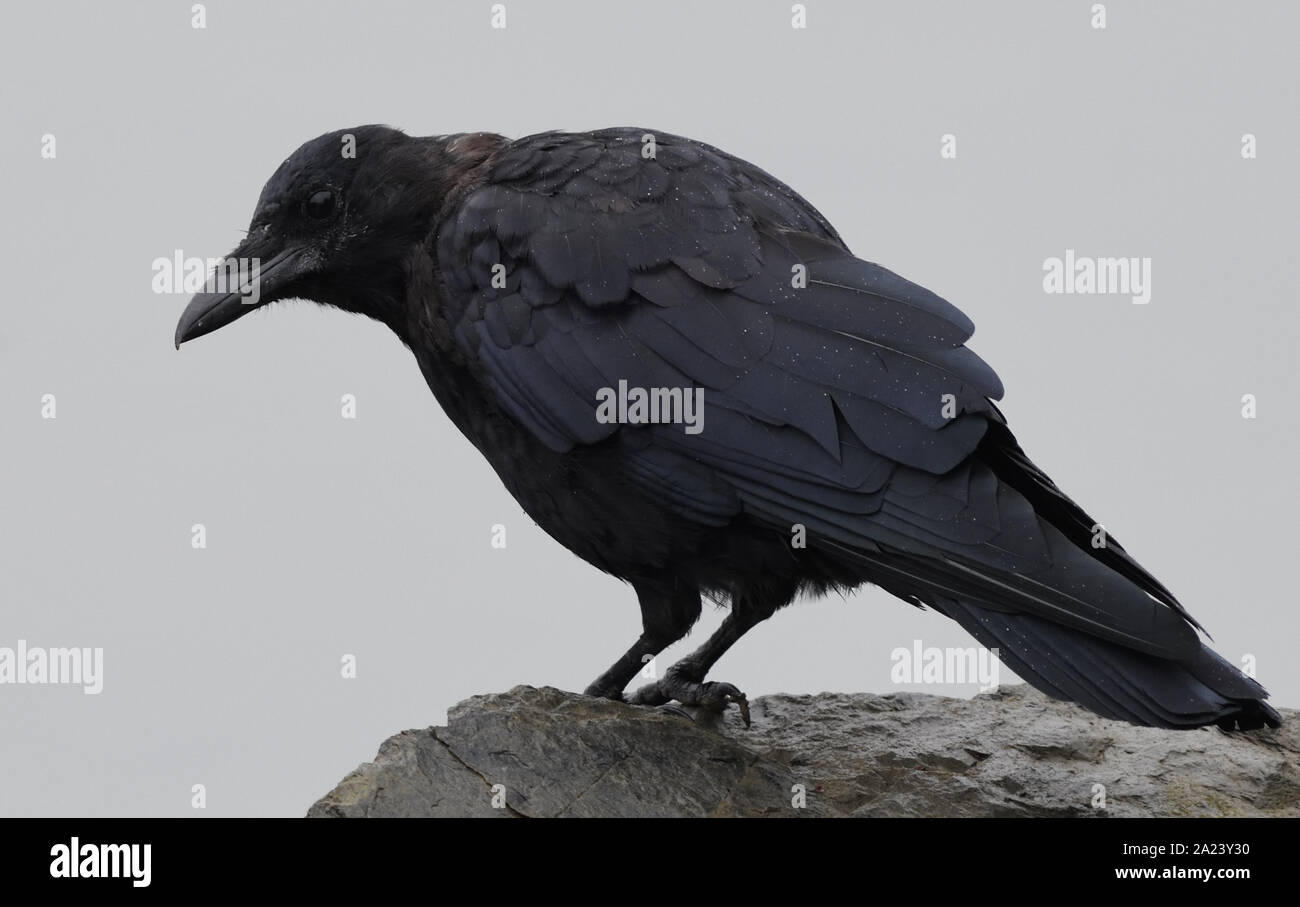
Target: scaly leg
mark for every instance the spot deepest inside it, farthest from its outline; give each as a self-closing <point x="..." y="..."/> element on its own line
<point x="666" y="616"/>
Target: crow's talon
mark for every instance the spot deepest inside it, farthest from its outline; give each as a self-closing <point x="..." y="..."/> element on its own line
<point x="604" y="693"/>
<point x="714" y="696"/>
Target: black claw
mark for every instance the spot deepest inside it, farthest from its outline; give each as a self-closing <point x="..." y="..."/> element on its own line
<point x="714" y="696"/>
<point x="742" y="702"/>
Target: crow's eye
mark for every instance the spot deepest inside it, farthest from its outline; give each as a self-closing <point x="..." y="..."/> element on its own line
<point x="320" y="205"/>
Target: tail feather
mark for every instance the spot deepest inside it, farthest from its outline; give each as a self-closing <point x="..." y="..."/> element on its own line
<point x="1114" y="681"/>
<point x="996" y="546"/>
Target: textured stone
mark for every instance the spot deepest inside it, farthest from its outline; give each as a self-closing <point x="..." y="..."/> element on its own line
<point x="1009" y="753"/>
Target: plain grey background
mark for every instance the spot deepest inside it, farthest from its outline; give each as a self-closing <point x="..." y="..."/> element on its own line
<point x="328" y="536"/>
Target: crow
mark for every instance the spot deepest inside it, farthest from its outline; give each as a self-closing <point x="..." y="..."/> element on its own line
<point x="683" y="375"/>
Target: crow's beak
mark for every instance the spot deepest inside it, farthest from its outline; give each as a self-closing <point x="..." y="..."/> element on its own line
<point x="243" y="282"/>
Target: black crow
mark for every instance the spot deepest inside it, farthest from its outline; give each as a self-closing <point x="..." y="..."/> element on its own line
<point x="679" y="370"/>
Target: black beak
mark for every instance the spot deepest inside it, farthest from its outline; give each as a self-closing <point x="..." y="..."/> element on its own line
<point x="242" y="283"/>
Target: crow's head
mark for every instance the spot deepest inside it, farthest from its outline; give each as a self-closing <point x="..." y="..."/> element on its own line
<point x="333" y="225"/>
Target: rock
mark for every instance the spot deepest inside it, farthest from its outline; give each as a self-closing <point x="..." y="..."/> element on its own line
<point x="545" y="752"/>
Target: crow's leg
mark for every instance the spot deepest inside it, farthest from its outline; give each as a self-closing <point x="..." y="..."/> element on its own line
<point x="685" y="682"/>
<point x="667" y="614"/>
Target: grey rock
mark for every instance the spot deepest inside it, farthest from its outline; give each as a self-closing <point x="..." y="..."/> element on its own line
<point x="545" y="752"/>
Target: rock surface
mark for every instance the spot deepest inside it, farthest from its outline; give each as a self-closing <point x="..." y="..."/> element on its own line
<point x="1009" y="753"/>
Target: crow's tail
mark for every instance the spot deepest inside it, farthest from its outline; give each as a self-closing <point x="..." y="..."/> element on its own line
<point x="994" y="544"/>
<point x="1115" y="681"/>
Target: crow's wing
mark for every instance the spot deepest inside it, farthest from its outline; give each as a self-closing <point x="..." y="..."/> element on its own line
<point x="846" y="402"/>
<point x="678" y="270"/>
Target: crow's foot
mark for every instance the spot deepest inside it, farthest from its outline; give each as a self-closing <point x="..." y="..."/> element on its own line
<point x="678" y="684"/>
<point x="603" y="692"/>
